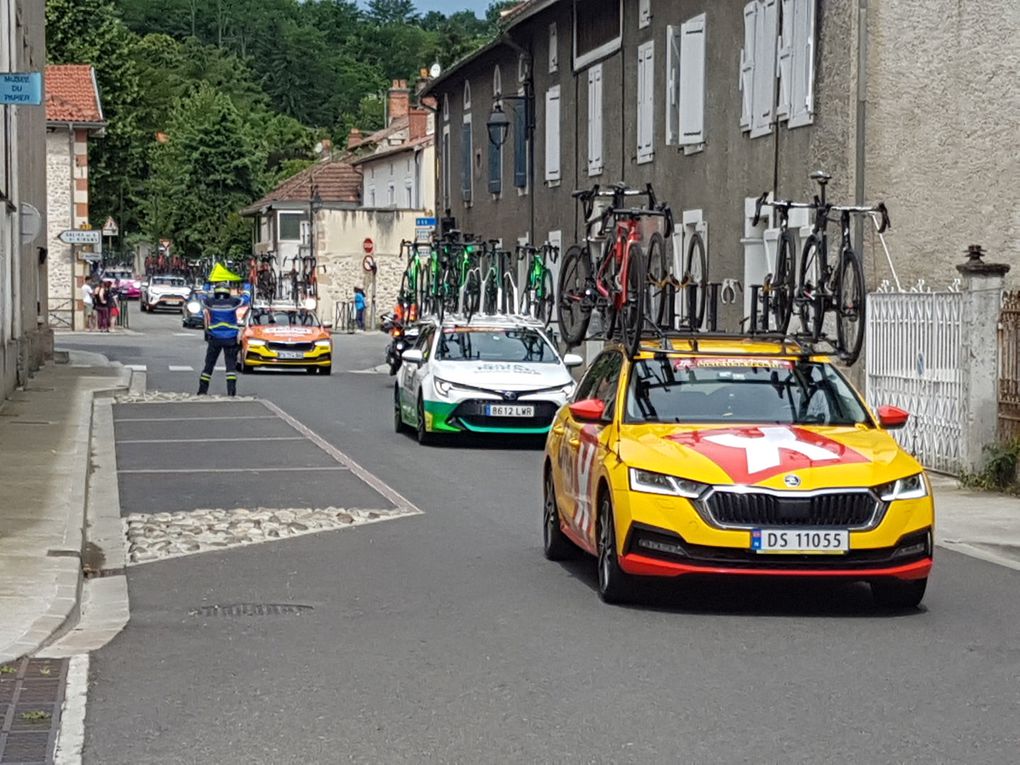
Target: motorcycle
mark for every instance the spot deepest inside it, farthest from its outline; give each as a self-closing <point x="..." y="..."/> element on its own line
<point x="402" y="338"/>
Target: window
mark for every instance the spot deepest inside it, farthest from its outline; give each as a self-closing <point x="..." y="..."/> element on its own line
<point x="445" y="166"/>
<point x="552" y="135"/>
<point x="646" y="102"/>
<point x="467" y="95"/>
<point x="495" y="169"/>
<point x="685" y="87"/>
<point x="497" y="83"/>
<point x="597" y="29"/>
<point x="465" y="160"/>
<point x="796" y="62"/>
<point x="391" y="194"/>
<point x="408" y="195"/>
<point x="758" y="67"/>
<point x="518" y="344"/>
<point x="446" y="107"/>
<point x="290" y="226"/>
<point x="644" y="13"/>
<point x="595" y="162"/>
<point x="602" y="381"/>
<point x="371" y="197"/>
<point x="520" y="145"/>
<point x="554" y="49"/>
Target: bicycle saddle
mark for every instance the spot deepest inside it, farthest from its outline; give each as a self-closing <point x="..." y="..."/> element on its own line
<point x="821" y="177"/>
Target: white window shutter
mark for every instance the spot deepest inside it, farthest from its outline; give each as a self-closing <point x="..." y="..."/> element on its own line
<point x="552" y="134"/>
<point x="646" y="102"/>
<point x="802" y="88"/>
<point x="595" y="162"/>
<point x="747" y="65"/>
<point x="764" y="70"/>
<point x="692" y="82"/>
<point x="644" y="13"/>
<point x="672" y="86"/>
<point x="554" y="49"/>
<point x="786" y="58"/>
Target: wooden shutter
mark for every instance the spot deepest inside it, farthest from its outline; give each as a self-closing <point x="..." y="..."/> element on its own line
<point x="747" y="65"/>
<point x="495" y="168"/>
<point x="786" y="57"/>
<point x="763" y="105"/>
<point x="644" y="13"/>
<point x="552" y="134"/>
<point x="465" y="160"/>
<point x="595" y="161"/>
<point x="802" y="90"/>
<point x="692" y="82"/>
<point x="672" y="85"/>
<point x="520" y="146"/>
<point x="646" y="102"/>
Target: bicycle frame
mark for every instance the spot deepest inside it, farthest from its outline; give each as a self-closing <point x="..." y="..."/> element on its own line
<point x="625" y="234"/>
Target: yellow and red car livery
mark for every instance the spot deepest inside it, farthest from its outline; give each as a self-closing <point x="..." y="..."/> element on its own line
<point x="285" y="337"/>
<point x="734" y="457"/>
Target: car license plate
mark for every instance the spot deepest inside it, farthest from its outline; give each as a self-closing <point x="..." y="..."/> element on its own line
<point x="175" y="301"/>
<point x="509" y="410"/>
<point x="800" y="541"/>
<point x="291" y="355"/>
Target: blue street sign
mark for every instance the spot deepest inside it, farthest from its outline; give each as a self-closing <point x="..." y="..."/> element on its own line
<point x="23" y="88"/>
<point x="424" y="222"/>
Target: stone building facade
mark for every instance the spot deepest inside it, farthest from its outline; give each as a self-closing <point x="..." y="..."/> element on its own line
<point x="74" y="115"/>
<point x="25" y="338"/>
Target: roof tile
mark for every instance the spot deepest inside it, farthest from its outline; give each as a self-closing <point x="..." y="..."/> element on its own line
<point x="72" y="94"/>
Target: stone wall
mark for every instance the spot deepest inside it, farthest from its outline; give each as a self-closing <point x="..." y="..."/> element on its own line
<point x="58" y="193"/>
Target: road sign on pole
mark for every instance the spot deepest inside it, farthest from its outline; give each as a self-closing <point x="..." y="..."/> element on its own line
<point x="21" y="88"/>
<point x="110" y="228"/>
<point x="81" y="236"/>
<point x="423" y="229"/>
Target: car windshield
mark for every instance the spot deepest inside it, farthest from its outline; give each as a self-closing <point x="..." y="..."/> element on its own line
<point x="266" y="318"/>
<point x="518" y="344"/>
<point x="168" y="281"/>
<point x="690" y="390"/>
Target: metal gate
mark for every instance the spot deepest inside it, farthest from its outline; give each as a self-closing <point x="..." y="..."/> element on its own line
<point x="1009" y="367"/>
<point x="61" y="313"/>
<point x="914" y="345"/>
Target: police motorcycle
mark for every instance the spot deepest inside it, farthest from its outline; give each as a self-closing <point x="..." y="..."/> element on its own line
<point x="402" y="338"/>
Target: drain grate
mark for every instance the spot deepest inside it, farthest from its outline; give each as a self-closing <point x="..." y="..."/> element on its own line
<point x="252" y="609"/>
<point x="31" y="694"/>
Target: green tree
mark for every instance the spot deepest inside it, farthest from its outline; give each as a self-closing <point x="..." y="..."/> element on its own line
<point x="386" y="12"/>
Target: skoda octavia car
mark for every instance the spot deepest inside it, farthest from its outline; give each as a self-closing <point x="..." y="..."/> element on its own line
<point x="734" y="458"/>
<point x="490" y="375"/>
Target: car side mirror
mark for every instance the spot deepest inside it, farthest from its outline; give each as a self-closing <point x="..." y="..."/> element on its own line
<point x="892" y="417"/>
<point x="588" y="410"/>
<point x="573" y="360"/>
<point x="413" y="356"/>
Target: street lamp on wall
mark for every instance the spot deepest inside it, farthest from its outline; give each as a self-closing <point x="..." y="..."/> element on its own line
<point x="498" y="124"/>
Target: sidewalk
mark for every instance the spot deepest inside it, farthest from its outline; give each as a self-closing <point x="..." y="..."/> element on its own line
<point x="977" y="523"/>
<point x="45" y="433"/>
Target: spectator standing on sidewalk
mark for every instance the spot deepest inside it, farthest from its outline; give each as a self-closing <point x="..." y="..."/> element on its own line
<point x="114" y="296"/>
<point x="86" y="299"/>
<point x="101" y="301"/>
<point x="359" y="308"/>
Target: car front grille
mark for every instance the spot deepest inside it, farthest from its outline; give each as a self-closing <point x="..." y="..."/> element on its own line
<point x="291" y="346"/>
<point x="472" y="413"/>
<point x="852" y="509"/>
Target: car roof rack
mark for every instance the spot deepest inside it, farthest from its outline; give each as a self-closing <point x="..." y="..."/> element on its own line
<point x="491" y="320"/>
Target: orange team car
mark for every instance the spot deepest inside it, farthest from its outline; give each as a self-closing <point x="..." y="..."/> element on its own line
<point x="286" y="336"/>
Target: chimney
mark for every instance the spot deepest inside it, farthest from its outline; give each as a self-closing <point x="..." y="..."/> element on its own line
<point x="398" y="101"/>
<point x="419" y="123"/>
<point x="325" y="149"/>
<point x="353" y="139"/>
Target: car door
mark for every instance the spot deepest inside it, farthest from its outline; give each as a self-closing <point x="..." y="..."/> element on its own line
<point x="583" y="444"/>
<point x="412" y="374"/>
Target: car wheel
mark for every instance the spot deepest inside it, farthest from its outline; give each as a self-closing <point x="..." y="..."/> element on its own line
<point x="424" y="437"/>
<point x="326" y="370"/>
<point x="897" y="594"/>
<point x="398" y="417"/>
<point x="246" y="369"/>
<point x="614" y="584"/>
<point x="554" y="542"/>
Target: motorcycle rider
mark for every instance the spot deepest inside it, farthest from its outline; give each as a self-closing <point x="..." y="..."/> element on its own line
<point x="222" y="333"/>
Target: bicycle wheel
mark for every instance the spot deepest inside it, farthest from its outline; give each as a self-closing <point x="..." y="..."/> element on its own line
<point x="574" y="303"/>
<point x="851" y="300"/>
<point x="696" y="273"/>
<point x="659" y="292"/>
<point x="783" y="284"/>
<point x="809" y="285"/>
<point x="509" y="303"/>
<point x="472" y="293"/>
<point x="490" y="293"/>
<point x="632" y="313"/>
<point x="542" y="299"/>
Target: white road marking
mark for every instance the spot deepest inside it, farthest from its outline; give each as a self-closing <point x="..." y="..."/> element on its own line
<point x="196" y="419"/>
<point x="176" y="368"/>
<point x="186" y="334"/>
<point x="326" y="468"/>
<point x="398" y="499"/>
<point x="71" y="736"/>
<point x="208" y="440"/>
<point x="138" y="367"/>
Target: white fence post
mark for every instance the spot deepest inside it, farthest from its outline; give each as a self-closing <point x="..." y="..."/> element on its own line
<point x="982" y="296"/>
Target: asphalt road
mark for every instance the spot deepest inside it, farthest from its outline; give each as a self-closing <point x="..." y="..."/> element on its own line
<point x="447" y="637"/>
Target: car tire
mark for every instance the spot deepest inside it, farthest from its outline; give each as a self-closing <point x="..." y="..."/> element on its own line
<point x="326" y="370"/>
<point x="246" y="369"/>
<point x="899" y="594"/>
<point x="555" y="543"/>
<point x="398" y="418"/>
<point x="613" y="584"/>
<point x="424" y="437"/>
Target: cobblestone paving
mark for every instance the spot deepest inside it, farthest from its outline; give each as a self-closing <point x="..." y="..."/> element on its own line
<point x="165" y="397"/>
<point x="157" y="536"/>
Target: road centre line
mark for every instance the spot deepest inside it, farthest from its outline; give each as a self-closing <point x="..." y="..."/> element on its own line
<point x="326" y="468"/>
<point x="181" y="368"/>
<point x="398" y="499"/>
<point x="197" y="419"/>
<point x="209" y="440"/>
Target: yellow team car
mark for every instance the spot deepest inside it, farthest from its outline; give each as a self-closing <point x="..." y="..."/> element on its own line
<point x="737" y="458"/>
<point x="286" y="336"/>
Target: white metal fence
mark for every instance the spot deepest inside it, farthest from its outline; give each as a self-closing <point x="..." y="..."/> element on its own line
<point x="914" y="346"/>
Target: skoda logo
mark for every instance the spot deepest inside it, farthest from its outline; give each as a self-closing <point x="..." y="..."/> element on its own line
<point x="792" y="481"/>
<point x="509" y="395"/>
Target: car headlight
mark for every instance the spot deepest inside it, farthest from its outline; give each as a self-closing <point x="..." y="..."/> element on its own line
<point x="194" y="306"/>
<point x="911" y="487"/>
<point x="443" y="387"/>
<point x="568" y="389"/>
<point x="659" y="483"/>
<point x="255" y="342"/>
<point x="323" y="343"/>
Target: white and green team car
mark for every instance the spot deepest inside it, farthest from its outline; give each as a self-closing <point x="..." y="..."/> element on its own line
<point x="493" y="374"/>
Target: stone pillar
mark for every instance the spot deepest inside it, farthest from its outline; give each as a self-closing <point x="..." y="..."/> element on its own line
<point x="982" y="299"/>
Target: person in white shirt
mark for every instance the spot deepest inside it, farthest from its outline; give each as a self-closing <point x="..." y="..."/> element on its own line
<point x="86" y="299"/>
